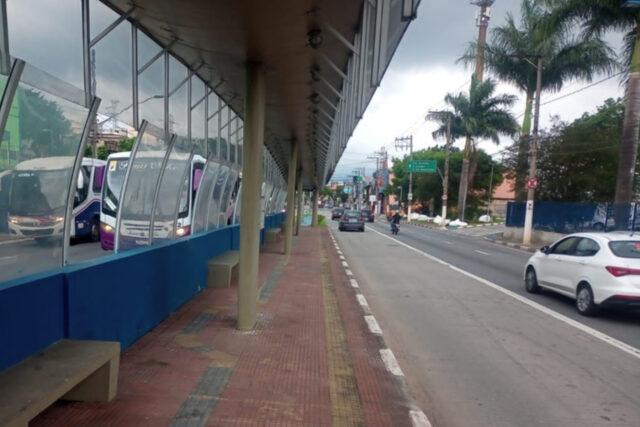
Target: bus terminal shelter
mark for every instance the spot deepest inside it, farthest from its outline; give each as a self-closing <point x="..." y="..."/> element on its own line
<point x="266" y="93"/>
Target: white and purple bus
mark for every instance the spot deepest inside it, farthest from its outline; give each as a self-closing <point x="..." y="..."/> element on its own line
<point x="136" y="229"/>
<point x="37" y="200"/>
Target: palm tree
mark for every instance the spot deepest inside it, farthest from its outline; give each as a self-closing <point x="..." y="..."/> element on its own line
<point x="598" y="17"/>
<point x="514" y="48"/>
<point x="477" y="115"/>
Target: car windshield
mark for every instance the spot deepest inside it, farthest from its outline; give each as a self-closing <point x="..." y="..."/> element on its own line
<point x="626" y="248"/>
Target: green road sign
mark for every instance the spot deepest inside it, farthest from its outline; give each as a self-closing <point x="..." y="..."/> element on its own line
<point x="422" y="166"/>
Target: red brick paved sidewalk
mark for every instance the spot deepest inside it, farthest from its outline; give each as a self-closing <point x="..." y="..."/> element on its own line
<point x="311" y="360"/>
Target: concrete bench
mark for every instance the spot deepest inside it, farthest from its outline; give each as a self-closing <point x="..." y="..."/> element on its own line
<point x="272" y="235"/>
<point x="222" y="269"/>
<point x="68" y="369"/>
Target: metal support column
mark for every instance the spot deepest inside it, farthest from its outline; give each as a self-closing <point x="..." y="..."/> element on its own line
<point x="251" y="197"/>
<point x="299" y="203"/>
<point x="291" y="191"/>
<point x="314" y="209"/>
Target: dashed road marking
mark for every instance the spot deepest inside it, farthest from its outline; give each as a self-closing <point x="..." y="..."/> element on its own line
<point x="373" y="325"/>
<point x="354" y="283"/>
<point x="635" y="352"/>
<point x="362" y="300"/>
<point x="349" y="273"/>
<point x="481" y="252"/>
<point x="390" y="362"/>
<point x="344" y="264"/>
<point x="419" y="419"/>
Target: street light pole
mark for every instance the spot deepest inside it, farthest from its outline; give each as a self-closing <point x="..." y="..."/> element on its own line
<point x="531" y="182"/>
<point x="402" y="143"/>
<point x="439" y="115"/>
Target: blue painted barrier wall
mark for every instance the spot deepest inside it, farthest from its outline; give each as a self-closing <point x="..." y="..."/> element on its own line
<point x="118" y="297"/>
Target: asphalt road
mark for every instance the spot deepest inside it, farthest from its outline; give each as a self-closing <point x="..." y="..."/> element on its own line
<point x="473" y="355"/>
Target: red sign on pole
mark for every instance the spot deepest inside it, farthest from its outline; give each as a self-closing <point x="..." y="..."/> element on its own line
<point x="532" y="183"/>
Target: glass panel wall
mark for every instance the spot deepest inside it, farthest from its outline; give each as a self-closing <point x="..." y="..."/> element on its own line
<point x="227" y="202"/>
<point x="203" y="197"/>
<point x="216" y="198"/>
<point x="44" y="132"/>
<point x="213" y="124"/>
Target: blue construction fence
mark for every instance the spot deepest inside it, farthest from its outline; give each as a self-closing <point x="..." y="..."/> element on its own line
<point x="118" y="297"/>
<point x="569" y="217"/>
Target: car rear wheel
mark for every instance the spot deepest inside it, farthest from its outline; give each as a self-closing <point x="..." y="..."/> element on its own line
<point x="531" y="281"/>
<point x="584" y="301"/>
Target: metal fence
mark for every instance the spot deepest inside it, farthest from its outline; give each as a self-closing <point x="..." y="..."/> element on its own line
<point x="567" y="217"/>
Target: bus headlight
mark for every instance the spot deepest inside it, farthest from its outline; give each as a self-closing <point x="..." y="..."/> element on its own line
<point x="13" y="220"/>
<point x="182" y="231"/>
<point x="58" y="218"/>
<point x="106" y="228"/>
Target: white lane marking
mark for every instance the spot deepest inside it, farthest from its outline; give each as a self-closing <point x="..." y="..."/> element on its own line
<point x="362" y="300"/>
<point x="419" y="419"/>
<point x="481" y="252"/>
<point x="349" y="273"/>
<point x="339" y="252"/>
<point x="448" y="242"/>
<point x="11" y="259"/>
<point x="354" y="283"/>
<point x="633" y="351"/>
<point x="390" y="362"/>
<point x="373" y="324"/>
<point x="13" y="241"/>
<point x="341" y="257"/>
<point x="344" y="264"/>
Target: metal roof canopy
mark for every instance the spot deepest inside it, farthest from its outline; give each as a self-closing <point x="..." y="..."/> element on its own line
<point x="219" y="37"/>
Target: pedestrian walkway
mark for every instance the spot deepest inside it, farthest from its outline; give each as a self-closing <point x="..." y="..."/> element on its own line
<point x="311" y="360"/>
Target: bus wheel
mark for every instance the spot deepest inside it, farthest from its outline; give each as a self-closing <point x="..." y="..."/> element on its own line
<point x="95" y="231"/>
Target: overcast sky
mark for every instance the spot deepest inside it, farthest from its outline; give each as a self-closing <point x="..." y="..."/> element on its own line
<point x="424" y="70"/>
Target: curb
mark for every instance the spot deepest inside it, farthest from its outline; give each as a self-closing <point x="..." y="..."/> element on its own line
<point x="511" y="245"/>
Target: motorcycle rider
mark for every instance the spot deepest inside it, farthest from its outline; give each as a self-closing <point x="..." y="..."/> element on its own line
<point x="395" y="221"/>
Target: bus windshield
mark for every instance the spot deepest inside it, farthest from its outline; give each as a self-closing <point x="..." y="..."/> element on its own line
<point x="36" y="193"/>
<point x="116" y="170"/>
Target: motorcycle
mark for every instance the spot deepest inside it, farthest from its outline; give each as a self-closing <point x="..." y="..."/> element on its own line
<point x="395" y="228"/>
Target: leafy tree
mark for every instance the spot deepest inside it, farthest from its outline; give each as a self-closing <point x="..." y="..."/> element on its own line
<point x="123" y="145"/>
<point x="427" y="187"/>
<point x="598" y="17"/>
<point x="477" y="115"/>
<point x="44" y="129"/>
<point x="576" y="159"/>
<point x="512" y="54"/>
<point x="103" y="153"/>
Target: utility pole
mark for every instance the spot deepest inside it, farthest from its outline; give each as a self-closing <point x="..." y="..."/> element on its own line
<point x="440" y="116"/>
<point x="402" y="143"/>
<point x="532" y="182"/>
<point x="482" y="22"/>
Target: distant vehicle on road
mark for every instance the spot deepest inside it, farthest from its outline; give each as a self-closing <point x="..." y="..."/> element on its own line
<point x="368" y="215"/>
<point x="351" y="220"/>
<point x="117" y="164"/>
<point x="336" y="213"/>
<point x="595" y="269"/>
<point x="37" y="198"/>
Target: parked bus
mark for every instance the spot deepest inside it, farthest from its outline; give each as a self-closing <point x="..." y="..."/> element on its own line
<point x="37" y="198"/>
<point x="137" y="229"/>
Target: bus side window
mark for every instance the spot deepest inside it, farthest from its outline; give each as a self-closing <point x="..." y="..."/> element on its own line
<point x="98" y="177"/>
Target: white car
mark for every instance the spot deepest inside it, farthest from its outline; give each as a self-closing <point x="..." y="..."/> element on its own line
<point x="595" y="269"/>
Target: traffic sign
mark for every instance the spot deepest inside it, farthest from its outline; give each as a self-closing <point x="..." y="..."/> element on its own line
<point x="422" y="166"/>
<point x="410" y="196"/>
<point x="444" y="197"/>
<point x="532" y="183"/>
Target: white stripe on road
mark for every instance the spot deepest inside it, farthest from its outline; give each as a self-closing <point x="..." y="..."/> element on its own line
<point x="344" y="264"/>
<point x="349" y="273"/>
<point x="341" y="257"/>
<point x="390" y="362"/>
<point x="362" y="300"/>
<point x="481" y="252"/>
<point x="419" y="419"/>
<point x="373" y="325"/>
<point x="448" y="242"/>
<point x="584" y="328"/>
<point x="354" y="283"/>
